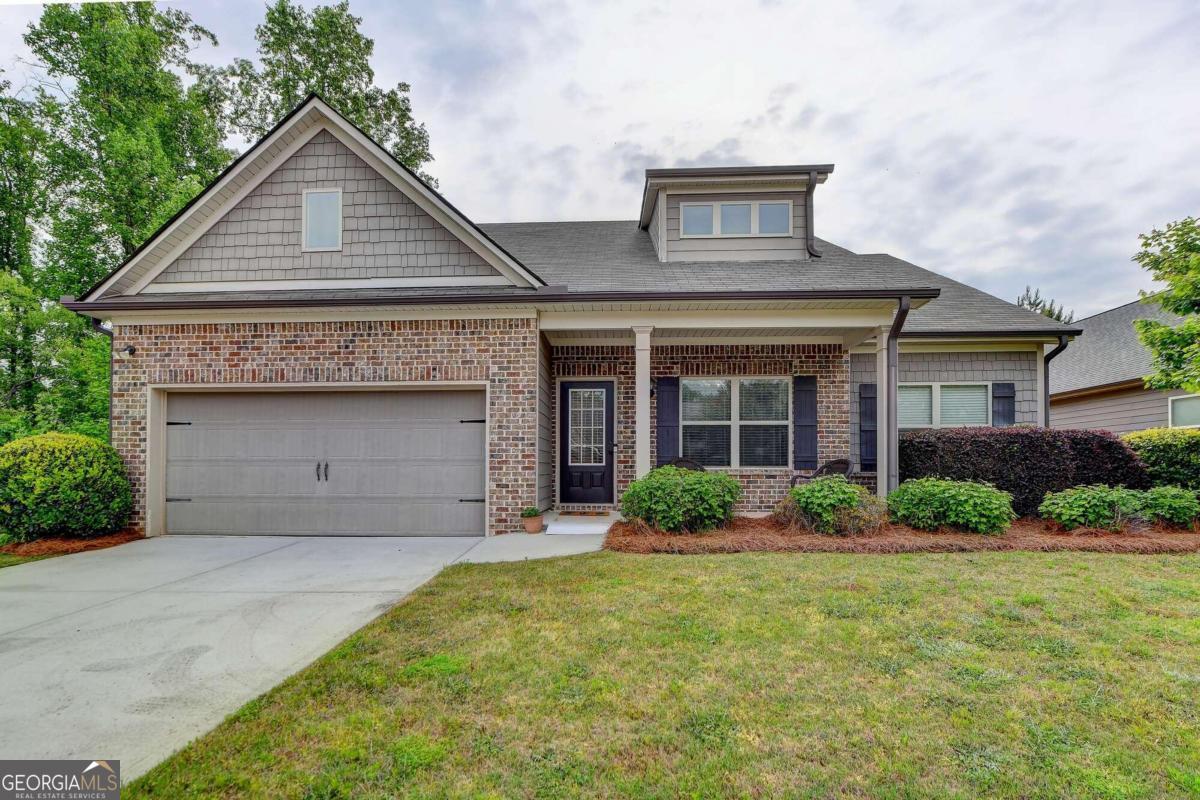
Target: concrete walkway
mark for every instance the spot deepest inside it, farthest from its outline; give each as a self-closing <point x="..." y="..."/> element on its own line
<point x="131" y="652"/>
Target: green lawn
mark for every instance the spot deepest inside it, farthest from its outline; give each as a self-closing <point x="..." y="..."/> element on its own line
<point x="760" y="675"/>
<point x="11" y="561"/>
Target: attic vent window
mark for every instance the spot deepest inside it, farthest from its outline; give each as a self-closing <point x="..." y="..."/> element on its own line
<point x="322" y="219"/>
<point x="740" y="219"/>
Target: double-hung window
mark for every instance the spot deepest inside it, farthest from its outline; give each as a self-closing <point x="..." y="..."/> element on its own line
<point x="322" y="222"/>
<point x="736" y="422"/>
<point x="1184" y="412"/>
<point x="735" y="218"/>
<point x="944" y="405"/>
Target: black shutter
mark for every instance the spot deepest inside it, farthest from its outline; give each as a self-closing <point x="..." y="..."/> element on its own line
<point x="667" y="422"/>
<point x="1004" y="404"/>
<point x="804" y="421"/>
<point x="868" y="443"/>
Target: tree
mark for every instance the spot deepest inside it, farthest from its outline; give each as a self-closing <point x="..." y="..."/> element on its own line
<point x="1172" y="256"/>
<point x="1032" y="299"/>
<point x="322" y="51"/>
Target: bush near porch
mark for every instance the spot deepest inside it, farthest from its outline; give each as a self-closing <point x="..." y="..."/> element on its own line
<point x="1171" y="455"/>
<point x="1026" y="462"/>
<point x="678" y="500"/>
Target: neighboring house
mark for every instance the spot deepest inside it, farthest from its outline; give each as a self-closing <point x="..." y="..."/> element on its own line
<point x="321" y="343"/>
<point x="1097" y="381"/>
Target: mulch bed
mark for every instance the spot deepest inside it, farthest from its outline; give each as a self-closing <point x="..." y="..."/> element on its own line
<point x="61" y="546"/>
<point x="746" y="535"/>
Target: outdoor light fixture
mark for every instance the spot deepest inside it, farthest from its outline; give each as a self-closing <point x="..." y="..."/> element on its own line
<point x="126" y="352"/>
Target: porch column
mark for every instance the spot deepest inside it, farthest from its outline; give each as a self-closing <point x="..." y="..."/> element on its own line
<point x="641" y="403"/>
<point x="883" y="434"/>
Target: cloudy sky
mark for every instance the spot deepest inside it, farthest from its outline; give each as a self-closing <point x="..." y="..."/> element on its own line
<point x="999" y="143"/>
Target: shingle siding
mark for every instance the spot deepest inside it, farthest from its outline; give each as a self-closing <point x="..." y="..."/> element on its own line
<point x="385" y="234"/>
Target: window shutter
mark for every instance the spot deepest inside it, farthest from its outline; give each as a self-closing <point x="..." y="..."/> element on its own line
<point x="804" y="421"/>
<point x="667" y="422"/>
<point x="1004" y="404"/>
<point x="868" y="443"/>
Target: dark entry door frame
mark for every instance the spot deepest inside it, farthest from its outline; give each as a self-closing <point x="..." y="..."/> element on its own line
<point x="586" y="467"/>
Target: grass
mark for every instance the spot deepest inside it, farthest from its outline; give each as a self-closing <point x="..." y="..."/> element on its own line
<point x="7" y="560"/>
<point x="754" y="675"/>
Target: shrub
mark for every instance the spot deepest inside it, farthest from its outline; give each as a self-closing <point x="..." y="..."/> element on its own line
<point x="1170" y="505"/>
<point x="1092" y="507"/>
<point x="932" y="503"/>
<point x="62" y="484"/>
<point x="1026" y="462"/>
<point x="1171" y="455"/>
<point x="832" y="504"/>
<point x="680" y="500"/>
<point x="529" y="512"/>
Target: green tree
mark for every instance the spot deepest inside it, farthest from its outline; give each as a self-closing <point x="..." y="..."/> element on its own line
<point x="1172" y="256"/>
<point x="1032" y="299"/>
<point x="322" y="51"/>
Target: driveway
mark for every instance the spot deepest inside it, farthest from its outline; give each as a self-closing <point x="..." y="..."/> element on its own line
<point x="130" y="653"/>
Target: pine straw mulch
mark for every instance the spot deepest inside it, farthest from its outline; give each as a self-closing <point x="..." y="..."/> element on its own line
<point x="745" y="535"/>
<point x="58" y="546"/>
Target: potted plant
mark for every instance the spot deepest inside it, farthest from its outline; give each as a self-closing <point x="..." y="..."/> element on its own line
<point x="532" y="517"/>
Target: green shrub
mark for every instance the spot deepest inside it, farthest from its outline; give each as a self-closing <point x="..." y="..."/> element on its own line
<point x="932" y="503"/>
<point x="1170" y="505"/>
<point x="1092" y="507"/>
<point x="1171" y="455"/>
<point x="62" y="484"/>
<point x="832" y="504"/>
<point x="680" y="500"/>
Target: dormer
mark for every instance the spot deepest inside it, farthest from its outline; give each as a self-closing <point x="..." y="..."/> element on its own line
<point x="732" y="213"/>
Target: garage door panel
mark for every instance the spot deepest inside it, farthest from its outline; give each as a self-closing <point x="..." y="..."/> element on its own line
<point x="399" y="463"/>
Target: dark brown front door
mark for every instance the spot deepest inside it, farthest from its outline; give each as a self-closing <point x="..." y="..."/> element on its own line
<point x="586" y="442"/>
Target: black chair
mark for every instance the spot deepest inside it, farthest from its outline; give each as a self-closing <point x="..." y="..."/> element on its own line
<point x="686" y="463"/>
<point x="839" y="466"/>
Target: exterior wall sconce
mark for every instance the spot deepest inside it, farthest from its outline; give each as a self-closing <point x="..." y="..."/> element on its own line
<point x="126" y="352"/>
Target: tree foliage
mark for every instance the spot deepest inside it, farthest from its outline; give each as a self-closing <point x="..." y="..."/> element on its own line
<point x="1032" y="299"/>
<point x="1172" y="257"/>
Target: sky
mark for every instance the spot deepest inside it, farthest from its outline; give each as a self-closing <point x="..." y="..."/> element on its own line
<point x="1002" y="144"/>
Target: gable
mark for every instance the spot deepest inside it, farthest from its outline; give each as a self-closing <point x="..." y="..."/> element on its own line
<point x="386" y="236"/>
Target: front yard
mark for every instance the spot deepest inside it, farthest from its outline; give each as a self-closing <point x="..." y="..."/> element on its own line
<point x="11" y="561"/>
<point x="755" y="675"/>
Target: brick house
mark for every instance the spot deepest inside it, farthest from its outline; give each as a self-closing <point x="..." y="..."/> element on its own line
<point x="322" y="343"/>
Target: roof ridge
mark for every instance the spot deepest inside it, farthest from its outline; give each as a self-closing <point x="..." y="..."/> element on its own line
<point x="1117" y="308"/>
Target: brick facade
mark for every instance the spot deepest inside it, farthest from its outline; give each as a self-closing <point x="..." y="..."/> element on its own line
<point x="502" y="352"/>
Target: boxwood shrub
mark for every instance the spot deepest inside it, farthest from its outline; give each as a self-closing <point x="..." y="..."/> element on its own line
<point x="1026" y="462"/>
<point x="932" y="503"/>
<point x="62" y="484"/>
<point x="833" y="505"/>
<point x="1171" y="455"/>
<point x="1113" y="508"/>
<point x="681" y="500"/>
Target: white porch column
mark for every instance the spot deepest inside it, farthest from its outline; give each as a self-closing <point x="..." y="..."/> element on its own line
<point x="641" y="403"/>
<point x="882" y="434"/>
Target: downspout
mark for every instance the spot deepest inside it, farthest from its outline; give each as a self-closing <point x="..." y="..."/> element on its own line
<point x="809" y="241"/>
<point x="893" y="413"/>
<point x="96" y="326"/>
<point x="1062" y="345"/>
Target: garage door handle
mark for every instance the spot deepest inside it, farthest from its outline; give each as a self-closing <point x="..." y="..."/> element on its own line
<point x="318" y="472"/>
<point x="327" y="472"/>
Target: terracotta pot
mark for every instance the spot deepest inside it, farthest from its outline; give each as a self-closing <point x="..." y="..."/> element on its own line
<point x="532" y="524"/>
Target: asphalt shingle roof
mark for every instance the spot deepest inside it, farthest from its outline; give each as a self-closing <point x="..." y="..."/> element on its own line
<point x="1109" y="350"/>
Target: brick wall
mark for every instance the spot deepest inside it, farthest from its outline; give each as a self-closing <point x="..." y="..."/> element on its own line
<point x="502" y="352"/>
<point x="762" y="488"/>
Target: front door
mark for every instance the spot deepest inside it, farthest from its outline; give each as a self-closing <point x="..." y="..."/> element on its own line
<point x="586" y="442"/>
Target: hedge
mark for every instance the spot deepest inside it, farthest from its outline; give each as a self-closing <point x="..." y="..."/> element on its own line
<point x="681" y="500"/>
<point x="933" y="503"/>
<point x="1114" y="508"/>
<point x="62" y="484"/>
<point x="1171" y="455"/>
<point x="1025" y="462"/>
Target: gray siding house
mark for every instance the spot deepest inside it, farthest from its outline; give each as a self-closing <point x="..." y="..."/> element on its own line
<point x="1097" y="382"/>
<point x="322" y="343"/>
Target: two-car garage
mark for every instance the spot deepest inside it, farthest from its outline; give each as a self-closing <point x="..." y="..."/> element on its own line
<point x="366" y="463"/>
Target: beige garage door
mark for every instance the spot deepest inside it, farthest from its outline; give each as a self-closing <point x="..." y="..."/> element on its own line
<point x="326" y="463"/>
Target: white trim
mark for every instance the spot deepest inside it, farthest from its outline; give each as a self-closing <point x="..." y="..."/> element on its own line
<point x="936" y="400"/>
<point x="716" y="318"/>
<point x="754" y="212"/>
<point x="735" y="422"/>
<point x="347" y="314"/>
<point x="1171" y="410"/>
<point x="327" y="283"/>
<point x="304" y="246"/>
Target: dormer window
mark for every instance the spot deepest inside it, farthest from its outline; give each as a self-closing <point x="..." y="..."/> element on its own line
<point x="740" y="218"/>
<point x="322" y="219"/>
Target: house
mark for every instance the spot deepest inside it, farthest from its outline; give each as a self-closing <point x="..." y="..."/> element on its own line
<point x="321" y="343"/>
<point x="1097" y="382"/>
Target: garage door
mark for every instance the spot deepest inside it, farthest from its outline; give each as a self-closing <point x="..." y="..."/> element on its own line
<point x="326" y="463"/>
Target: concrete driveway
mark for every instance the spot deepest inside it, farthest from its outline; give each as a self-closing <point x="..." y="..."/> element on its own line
<point x="130" y="653"/>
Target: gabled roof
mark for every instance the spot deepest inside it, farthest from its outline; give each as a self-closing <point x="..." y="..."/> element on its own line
<point x="1109" y="352"/>
<point x="252" y="167"/>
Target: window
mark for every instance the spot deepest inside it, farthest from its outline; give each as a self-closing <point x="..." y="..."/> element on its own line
<point x="1184" y="412"/>
<point x="586" y="416"/>
<point x="735" y="219"/>
<point x="736" y="422"/>
<point x="944" y="405"/>
<point x="322" y="219"/>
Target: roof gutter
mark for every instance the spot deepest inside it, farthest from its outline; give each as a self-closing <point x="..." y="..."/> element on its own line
<point x="809" y="237"/>
<point x="893" y="413"/>
<point x="1062" y="345"/>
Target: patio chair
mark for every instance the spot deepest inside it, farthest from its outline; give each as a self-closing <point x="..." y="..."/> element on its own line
<point x="686" y="463"/>
<point x="839" y="466"/>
